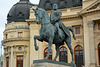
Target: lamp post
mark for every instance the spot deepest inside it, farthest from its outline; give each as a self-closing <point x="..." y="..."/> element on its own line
<point x="1" y="54"/>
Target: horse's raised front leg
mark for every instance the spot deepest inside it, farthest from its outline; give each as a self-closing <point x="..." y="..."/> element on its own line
<point x="35" y="43"/>
<point x="49" y="47"/>
<point x="57" y="52"/>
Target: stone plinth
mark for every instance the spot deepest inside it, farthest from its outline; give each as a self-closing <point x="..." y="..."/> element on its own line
<point x="50" y="63"/>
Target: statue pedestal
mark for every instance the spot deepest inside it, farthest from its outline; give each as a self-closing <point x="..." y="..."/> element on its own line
<point x="50" y="63"/>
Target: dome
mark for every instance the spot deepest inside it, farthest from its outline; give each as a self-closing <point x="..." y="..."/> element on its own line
<point x="62" y="4"/>
<point x="20" y="11"/>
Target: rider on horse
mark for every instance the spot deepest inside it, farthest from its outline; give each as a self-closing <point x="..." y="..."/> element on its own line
<point x="55" y="20"/>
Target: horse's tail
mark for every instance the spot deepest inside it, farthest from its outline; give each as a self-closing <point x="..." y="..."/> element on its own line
<point x="71" y="29"/>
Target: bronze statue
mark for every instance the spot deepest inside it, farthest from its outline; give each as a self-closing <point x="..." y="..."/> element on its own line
<point x="55" y="20"/>
<point x="53" y="31"/>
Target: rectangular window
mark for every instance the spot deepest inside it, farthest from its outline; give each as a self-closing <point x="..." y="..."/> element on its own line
<point x="6" y="36"/>
<point x="99" y="26"/>
<point x="77" y="30"/>
<point x="20" y="34"/>
<point x="7" y="61"/>
<point x="19" y="62"/>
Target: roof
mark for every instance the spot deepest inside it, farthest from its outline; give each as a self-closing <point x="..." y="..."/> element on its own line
<point x="47" y="4"/>
<point x="19" y="11"/>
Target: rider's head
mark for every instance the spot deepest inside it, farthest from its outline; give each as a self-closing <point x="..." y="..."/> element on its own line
<point x="55" y="7"/>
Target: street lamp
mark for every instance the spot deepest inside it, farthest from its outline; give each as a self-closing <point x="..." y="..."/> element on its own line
<point x="2" y="44"/>
<point x="1" y="56"/>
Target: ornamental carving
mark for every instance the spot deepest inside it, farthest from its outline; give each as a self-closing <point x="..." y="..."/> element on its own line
<point x="90" y="23"/>
<point x="94" y="7"/>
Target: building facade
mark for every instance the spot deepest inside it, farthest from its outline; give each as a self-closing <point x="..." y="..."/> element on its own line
<point x="83" y="16"/>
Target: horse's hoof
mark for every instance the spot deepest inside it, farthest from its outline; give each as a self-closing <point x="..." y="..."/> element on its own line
<point x="36" y="48"/>
<point x="72" y="62"/>
<point x="46" y="58"/>
<point x="54" y="59"/>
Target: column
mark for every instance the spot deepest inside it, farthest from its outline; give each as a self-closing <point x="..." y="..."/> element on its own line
<point x="91" y="43"/>
<point x="4" y="60"/>
<point x="86" y="44"/>
<point x="27" y="56"/>
<point x="11" y="56"/>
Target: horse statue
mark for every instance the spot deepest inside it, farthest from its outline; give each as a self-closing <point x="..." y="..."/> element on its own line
<point x="48" y="33"/>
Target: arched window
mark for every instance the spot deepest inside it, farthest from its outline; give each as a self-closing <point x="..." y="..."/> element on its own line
<point x="99" y="52"/>
<point x="20" y="15"/>
<point x="46" y="52"/>
<point x="76" y="1"/>
<point x="48" y="5"/>
<point x="78" y="56"/>
<point x="7" y="61"/>
<point x="63" y="55"/>
<point x="62" y="4"/>
<point x="8" y="17"/>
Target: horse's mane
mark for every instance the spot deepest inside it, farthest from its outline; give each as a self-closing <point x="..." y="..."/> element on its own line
<point x="45" y="14"/>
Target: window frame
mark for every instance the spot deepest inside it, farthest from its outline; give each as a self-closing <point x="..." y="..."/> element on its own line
<point x="63" y="53"/>
<point x="79" y="53"/>
<point x="79" y="30"/>
<point x="6" y="36"/>
<point x="47" y="53"/>
<point x="19" y="60"/>
<point x="98" y="26"/>
<point x="7" y="61"/>
<point x="20" y="34"/>
<point x="98" y="54"/>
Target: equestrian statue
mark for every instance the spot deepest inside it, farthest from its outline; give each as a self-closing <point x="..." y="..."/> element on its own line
<point x="53" y="31"/>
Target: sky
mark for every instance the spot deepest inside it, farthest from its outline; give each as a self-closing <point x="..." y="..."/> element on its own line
<point x="5" y="6"/>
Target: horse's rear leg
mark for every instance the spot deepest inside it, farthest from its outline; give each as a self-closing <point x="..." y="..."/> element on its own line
<point x="68" y="42"/>
<point x="49" y="47"/>
<point x="57" y="52"/>
<point x="35" y="43"/>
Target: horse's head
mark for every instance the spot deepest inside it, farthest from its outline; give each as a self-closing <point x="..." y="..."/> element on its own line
<point x="38" y="15"/>
<point x="41" y="14"/>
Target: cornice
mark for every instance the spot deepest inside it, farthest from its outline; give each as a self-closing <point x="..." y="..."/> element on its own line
<point x="20" y="51"/>
<point x="70" y="16"/>
<point x="30" y="21"/>
<point x="14" y="30"/>
<point x="15" y="39"/>
<point x="90" y="12"/>
<point x="94" y="7"/>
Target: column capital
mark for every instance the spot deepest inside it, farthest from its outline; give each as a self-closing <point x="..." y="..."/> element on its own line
<point x="90" y="23"/>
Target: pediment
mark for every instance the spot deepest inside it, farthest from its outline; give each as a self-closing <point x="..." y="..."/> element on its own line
<point x="93" y="7"/>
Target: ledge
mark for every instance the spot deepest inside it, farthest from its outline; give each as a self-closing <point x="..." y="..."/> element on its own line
<point x="15" y="39"/>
